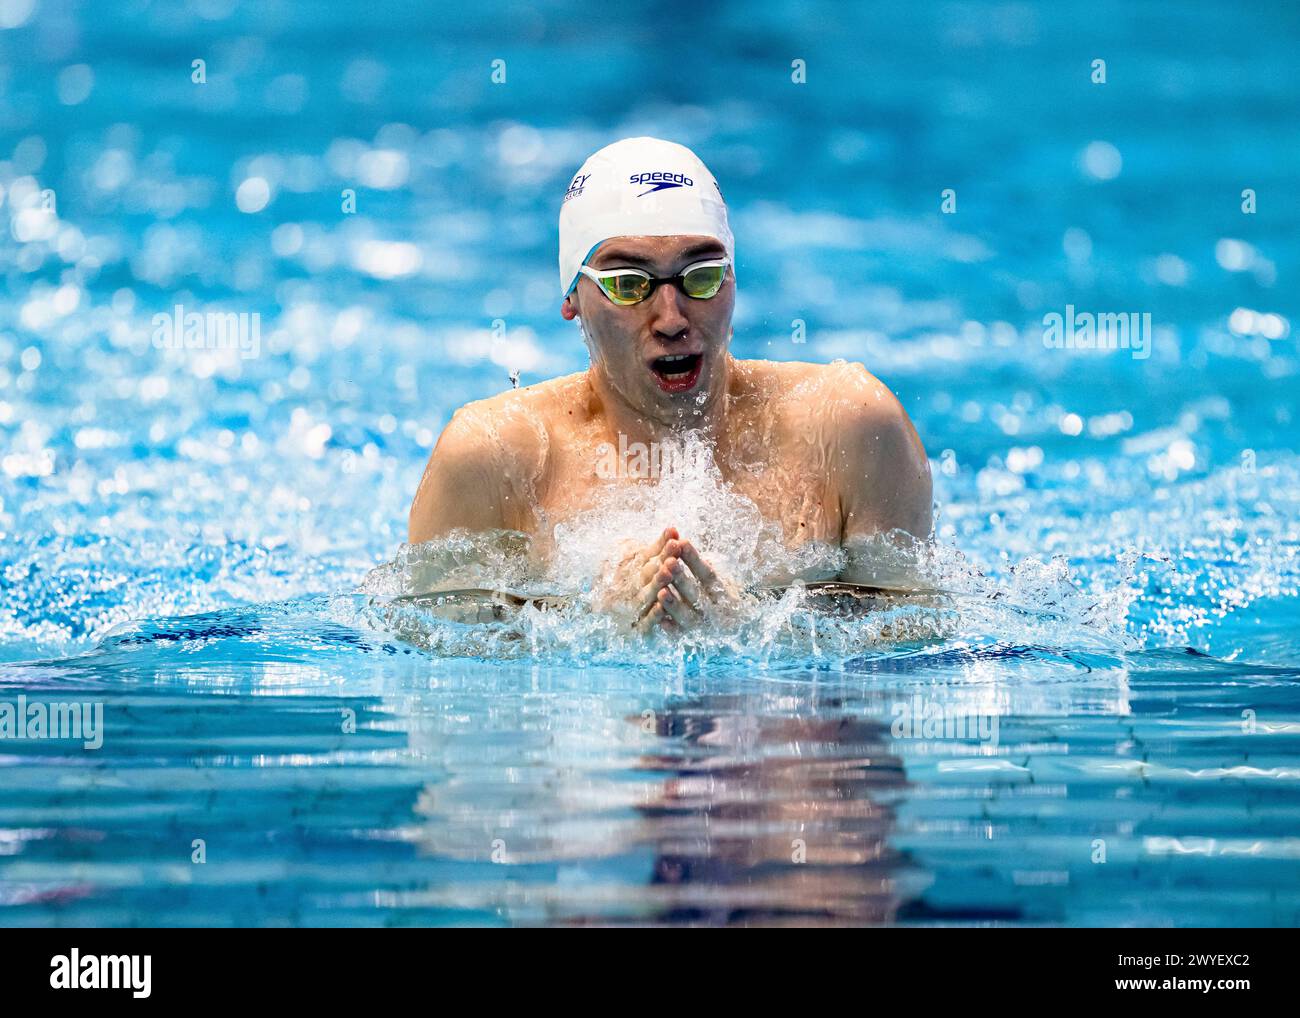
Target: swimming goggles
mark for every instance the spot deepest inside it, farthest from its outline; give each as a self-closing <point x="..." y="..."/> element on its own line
<point x="629" y="286"/>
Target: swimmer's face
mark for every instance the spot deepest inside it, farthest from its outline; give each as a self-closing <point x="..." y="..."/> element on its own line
<point x="628" y="344"/>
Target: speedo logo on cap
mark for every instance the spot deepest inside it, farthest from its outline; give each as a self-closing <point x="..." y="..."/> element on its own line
<point x="661" y="179"/>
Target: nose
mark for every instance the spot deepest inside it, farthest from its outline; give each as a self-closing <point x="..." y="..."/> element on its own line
<point x="667" y="316"/>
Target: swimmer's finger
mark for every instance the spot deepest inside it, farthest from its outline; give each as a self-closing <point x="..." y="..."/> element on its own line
<point x="676" y="609"/>
<point x="649" y="594"/>
<point x="654" y="617"/>
<point x="685" y="583"/>
<point x="653" y="555"/>
<point x="655" y="548"/>
<point x="702" y="570"/>
<point x="651" y="567"/>
<point x="648" y="621"/>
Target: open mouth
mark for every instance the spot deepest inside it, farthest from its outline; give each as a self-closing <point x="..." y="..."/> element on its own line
<point x="678" y="372"/>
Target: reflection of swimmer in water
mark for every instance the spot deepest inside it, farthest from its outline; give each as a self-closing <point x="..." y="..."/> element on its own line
<point x="772" y="818"/>
<point x="646" y="265"/>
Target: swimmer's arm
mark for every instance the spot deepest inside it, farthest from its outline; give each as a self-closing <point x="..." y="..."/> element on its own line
<point x="459" y="489"/>
<point x="886" y="498"/>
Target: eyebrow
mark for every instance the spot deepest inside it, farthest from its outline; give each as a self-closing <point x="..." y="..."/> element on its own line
<point x="614" y="256"/>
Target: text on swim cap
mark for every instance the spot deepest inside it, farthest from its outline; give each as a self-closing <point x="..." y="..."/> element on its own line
<point x="575" y="188"/>
<point x="661" y="175"/>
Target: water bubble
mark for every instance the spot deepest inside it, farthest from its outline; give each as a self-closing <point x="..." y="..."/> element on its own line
<point x="1101" y="160"/>
<point x="74" y="84"/>
<point x="253" y="195"/>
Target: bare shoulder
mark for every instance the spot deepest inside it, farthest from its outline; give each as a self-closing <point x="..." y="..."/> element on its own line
<point x="490" y="452"/>
<point x="848" y="389"/>
<point x="877" y="461"/>
<point x="882" y="467"/>
<point x="842" y="393"/>
<point x="516" y="423"/>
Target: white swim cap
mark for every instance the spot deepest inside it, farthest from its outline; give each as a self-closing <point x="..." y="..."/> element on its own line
<point x="638" y="187"/>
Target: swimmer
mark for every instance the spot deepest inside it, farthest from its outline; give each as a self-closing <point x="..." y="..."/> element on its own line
<point x="647" y="269"/>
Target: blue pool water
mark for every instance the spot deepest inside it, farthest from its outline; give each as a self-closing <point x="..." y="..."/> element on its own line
<point x="188" y="537"/>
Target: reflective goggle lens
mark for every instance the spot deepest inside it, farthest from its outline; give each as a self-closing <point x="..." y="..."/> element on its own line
<point x="704" y="281"/>
<point x="626" y="287"/>
<point x="631" y="286"/>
